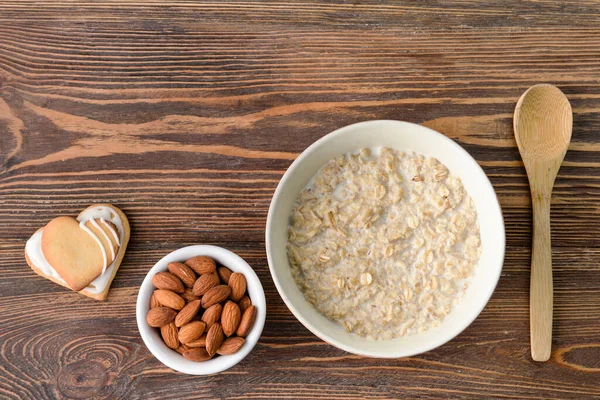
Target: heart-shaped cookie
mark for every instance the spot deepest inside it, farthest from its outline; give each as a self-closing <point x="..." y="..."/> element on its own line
<point x="82" y="254"/>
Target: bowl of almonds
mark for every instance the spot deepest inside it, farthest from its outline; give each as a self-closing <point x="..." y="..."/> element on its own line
<point x="201" y="309"/>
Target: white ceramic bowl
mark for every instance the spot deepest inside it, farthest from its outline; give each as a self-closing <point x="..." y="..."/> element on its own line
<point x="151" y="336"/>
<point x="402" y="136"/>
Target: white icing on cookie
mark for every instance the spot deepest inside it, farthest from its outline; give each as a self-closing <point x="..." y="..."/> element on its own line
<point x="107" y="213"/>
<point x="97" y="239"/>
<point x="112" y="249"/>
<point x="110" y="228"/>
<point x="33" y="248"/>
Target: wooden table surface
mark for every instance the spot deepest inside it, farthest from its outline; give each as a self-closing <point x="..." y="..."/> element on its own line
<point x="185" y="114"/>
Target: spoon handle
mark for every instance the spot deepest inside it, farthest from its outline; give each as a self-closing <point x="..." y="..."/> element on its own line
<point x="540" y="307"/>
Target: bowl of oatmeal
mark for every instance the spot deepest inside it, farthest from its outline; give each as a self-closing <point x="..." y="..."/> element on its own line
<point x="385" y="239"/>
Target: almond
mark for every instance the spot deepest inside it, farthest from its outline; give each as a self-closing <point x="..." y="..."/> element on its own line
<point x="214" y="338"/>
<point x="215" y="295"/>
<point x="197" y="354"/>
<point x="169" y="299"/>
<point x="202" y="265"/>
<point x="169" y="335"/>
<point x="230" y="318"/>
<point x="231" y="346"/>
<point x="224" y="274"/>
<point x="244" y="303"/>
<point x="167" y="281"/>
<point x="200" y="342"/>
<point x="237" y="282"/>
<point x="247" y="322"/>
<point x="189" y="296"/>
<point x="160" y="316"/>
<point x="205" y="283"/>
<point x="183" y="272"/>
<point x="192" y="331"/>
<point x="182" y="348"/>
<point x="187" y="313"/>
<point x="212" y="314"/>
<point x="153" y="302"/>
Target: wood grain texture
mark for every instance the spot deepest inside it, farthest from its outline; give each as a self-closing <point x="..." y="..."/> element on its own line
<point x="185" y="114"/>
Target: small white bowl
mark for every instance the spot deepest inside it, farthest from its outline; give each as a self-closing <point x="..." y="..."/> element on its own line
<point x="151" y="336"/>
<point x="402" y="136"/>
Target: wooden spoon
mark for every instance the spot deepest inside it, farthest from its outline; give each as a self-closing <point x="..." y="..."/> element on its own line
<point x="543" y="124"/>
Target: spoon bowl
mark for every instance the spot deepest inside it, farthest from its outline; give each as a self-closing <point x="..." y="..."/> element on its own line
<point x="543" y="123"/>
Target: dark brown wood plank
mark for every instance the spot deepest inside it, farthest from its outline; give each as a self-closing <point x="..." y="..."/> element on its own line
<point x="185" y="114"/>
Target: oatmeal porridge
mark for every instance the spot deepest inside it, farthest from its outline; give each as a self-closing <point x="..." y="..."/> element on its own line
<point x="383" y="242"/>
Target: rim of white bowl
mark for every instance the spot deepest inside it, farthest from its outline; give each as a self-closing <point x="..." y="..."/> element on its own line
<point x="333" y="341"/>
<point x="151" y="336"/>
